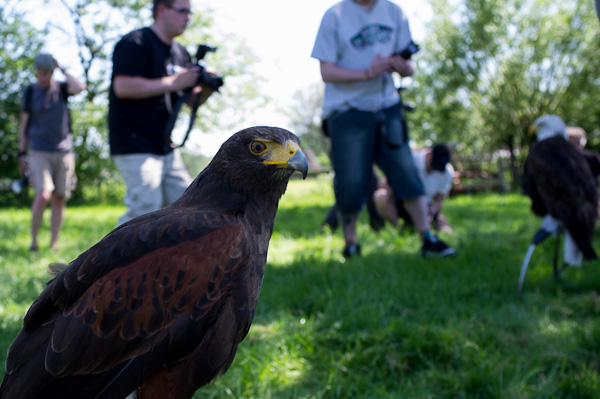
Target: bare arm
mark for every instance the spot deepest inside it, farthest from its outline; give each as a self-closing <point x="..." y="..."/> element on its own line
<point x="74" y="85"/>
<point x="436" y="204"/>
<point x="402" y="66"/>
<point x="136" y="87"/>
<point x="23" y="143"/>
<point x="332" y="73"/>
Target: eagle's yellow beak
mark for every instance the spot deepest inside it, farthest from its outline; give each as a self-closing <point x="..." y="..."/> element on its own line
<point x="533" y="129"/>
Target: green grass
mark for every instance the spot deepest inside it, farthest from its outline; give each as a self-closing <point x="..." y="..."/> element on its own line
<point x="387" y="325"/>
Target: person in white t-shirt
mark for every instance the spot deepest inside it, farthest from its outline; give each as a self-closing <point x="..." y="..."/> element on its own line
<point x="436" y="174"/>
<point x="361" y="45"/>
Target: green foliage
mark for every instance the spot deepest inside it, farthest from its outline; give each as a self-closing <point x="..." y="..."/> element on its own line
<point x="195" y="163"/>
<point x="93" y="28"/>
<point x="305" y="115"/>
<point x="235" y="62"/>
<point x="488" y="69"/>
<point x="97" y="176"/>
<point x="387" y="325"/>
<point x="17" y="49"/>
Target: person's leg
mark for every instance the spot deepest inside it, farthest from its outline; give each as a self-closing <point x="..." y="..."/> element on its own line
<point x="417" y="209"/>
<point x="64" y="178"/>
<point x="176" y="177"/>
<point x="352" y="145"/>
<point x="439" y="222"/>
<point x="398" y="164"/>
<point x="37" y="216"/>
<point x="331" y="219"/>
<point x="386" y="205"/>
<point x="57" y="206"/>
<point x="41" y="180"/>
<point x="349" y="224"/>
<point x="142" y="174"/>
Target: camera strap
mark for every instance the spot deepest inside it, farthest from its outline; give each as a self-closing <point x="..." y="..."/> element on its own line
<point x="178" y="57"/>
<point x="192" y="120"/>
<point x="173" y="118"/>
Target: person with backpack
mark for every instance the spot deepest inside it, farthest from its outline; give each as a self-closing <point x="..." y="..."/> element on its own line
<point x="152" y="73"/>
<point x="46" y="144"/>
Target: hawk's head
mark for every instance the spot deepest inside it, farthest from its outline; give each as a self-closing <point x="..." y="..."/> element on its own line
<point x="259" y="159"/>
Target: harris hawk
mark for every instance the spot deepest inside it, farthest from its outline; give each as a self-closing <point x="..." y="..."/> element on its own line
<point x="158" y="306"/>
<point x="559" y="180"/>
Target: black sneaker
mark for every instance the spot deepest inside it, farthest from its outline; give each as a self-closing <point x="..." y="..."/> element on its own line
<point x="352" y="249"/>
<point x="433" y="246"/>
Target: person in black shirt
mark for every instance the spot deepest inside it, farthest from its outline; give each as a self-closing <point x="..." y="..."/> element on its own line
<point x="150" y="73"/>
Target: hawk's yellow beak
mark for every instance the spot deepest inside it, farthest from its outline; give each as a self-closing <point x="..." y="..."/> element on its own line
<point x="289" y="155"/>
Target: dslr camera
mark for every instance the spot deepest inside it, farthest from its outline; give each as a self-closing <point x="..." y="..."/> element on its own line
<point x="407" y="53"/>
<point x="207" y="79"/>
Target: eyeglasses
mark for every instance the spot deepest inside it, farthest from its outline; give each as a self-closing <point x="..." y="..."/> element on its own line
<point x="182" y="11"/>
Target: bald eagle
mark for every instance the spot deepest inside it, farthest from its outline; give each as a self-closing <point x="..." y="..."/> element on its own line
<point x="160" y="304"/>
<point x="558" y="179"/>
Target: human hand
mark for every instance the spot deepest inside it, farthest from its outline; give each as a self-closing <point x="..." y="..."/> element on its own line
<point x="379" y="66"/>
<point x="401" y="65"/>
<point x="186" y="78"/>
<point x="200" y="94"/>
<point x="23" y="166"/>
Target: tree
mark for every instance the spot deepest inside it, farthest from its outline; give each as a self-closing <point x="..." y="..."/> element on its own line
<point x="305" y="116"/>
<point x="90" y="30"/>
<point x="20" y="41"/>
<point x="488" y="69"/>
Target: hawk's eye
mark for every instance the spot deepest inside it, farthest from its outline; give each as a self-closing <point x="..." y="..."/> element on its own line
<point x="258" y="147"/>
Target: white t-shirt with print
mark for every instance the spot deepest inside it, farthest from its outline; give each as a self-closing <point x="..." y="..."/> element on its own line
<point x="350" y="36"/>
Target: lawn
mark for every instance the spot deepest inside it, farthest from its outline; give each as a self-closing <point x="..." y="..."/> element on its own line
<point x="389" y="324"/>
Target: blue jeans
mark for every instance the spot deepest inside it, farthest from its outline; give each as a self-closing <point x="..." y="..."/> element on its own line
<point x="360" y="139"/>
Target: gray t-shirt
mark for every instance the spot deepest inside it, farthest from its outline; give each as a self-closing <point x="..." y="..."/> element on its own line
<point x="49" y="127"/>
<point x="351" y="36"/>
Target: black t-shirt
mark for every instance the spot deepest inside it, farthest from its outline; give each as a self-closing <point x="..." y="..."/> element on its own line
<point x="137" y="125"/>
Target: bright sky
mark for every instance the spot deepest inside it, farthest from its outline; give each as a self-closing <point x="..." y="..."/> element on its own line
<point x="281" y="33"/>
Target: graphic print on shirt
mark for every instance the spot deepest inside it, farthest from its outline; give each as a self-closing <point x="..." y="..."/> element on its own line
<point x="370" y="35"/>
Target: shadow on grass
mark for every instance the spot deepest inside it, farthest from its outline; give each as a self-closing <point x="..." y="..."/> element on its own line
<point x="305" y="222"/>
<point x="392" y="324"/>
<point x="387" y="325"/>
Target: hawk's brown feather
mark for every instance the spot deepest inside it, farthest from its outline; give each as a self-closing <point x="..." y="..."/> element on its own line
<point x="161" y="303"/>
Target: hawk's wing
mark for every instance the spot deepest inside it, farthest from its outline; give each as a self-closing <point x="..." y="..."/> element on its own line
<point x="121" y="297"/>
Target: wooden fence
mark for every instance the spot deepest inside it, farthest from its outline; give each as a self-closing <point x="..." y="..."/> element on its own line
<point x="481" y="173"/>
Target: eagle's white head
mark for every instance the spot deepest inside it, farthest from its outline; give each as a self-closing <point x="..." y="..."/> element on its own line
<point x="547" y="126"/>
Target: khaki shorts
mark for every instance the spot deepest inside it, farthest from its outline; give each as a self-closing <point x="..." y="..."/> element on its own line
<point x="52" y="172"/>
<point x="152" y="181"/>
